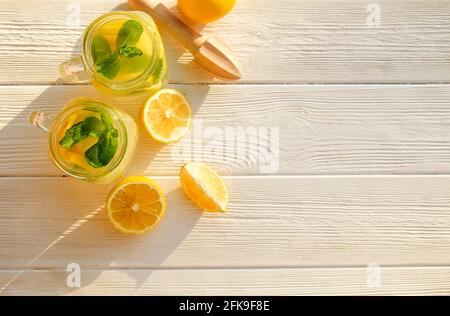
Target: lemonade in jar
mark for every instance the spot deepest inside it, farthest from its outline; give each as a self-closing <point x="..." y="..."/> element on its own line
<point x="89" y="140"/>
<point x="122" y="53"/>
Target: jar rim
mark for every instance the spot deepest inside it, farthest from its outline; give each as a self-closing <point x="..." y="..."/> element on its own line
<point x="87" y="58"/>
<point x="76" y="105"/>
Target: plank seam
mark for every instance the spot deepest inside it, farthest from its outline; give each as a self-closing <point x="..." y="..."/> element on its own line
<point x="218" y="268"/>
<point x="306" y="84"/>
<point x="282" y="176"/>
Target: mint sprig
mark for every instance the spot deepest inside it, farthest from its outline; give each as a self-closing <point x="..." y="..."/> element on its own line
<point x="106" y="61"/>
<point x="102" y="152"/>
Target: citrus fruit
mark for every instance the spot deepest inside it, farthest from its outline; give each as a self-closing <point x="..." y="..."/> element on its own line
<point x="166" y="115"/>
<point x="136" y="205"/>
<point x="205" y="11"/>
<point x="204" y="186"/>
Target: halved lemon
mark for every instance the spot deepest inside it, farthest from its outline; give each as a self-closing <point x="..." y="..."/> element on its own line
<point x="136" y="205"/>
<point x="205" y="11"/>
<point x="204" y="186"/>
<point x="166" y="115"/>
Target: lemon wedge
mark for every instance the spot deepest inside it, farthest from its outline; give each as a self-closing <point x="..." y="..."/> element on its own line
<point x="204" y="186"/>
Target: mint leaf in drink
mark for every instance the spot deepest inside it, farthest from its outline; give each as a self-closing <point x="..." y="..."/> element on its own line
<point x="157" y="73"/>
<point x="129" y="34"/>
<point x="105" y="117"/>
<point x="108" y="146"/>
<point x="130" y="51"/>
<point x="101" y="153"/>
<point x="99" y="48"/>
<point x="108" y="65"/>
<point x="106" y="61"/>
<point x="91" y="126"/>
<point x="91" y="156"/>
<point x="107" y="121"/>
<point x="72" y="136"/>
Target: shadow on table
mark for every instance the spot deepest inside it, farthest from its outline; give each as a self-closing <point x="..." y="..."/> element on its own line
<point x="71" y="222"/>
<point x="79" y="232"/>
<point x="71" y="225"/>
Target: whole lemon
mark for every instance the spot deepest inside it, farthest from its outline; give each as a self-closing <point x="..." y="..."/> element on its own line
<point x="205" y="11"/>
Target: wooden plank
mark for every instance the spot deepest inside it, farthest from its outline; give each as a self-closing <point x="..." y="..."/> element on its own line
<point x="328" y="281"/>
<point x="332" y="129"/>
<point x="271" y="222"/>
<point x="291" y="41"/>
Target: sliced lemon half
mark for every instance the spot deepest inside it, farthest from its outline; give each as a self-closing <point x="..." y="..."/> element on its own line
<point x="166" y="115"/>
<point x="136" y="205"/>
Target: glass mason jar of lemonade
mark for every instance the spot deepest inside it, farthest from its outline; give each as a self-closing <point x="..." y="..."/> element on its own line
<point x="89" y="140"/>
<point x="122" y="53"/>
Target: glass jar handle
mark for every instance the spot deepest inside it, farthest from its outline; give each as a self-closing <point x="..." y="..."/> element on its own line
<point x="41" y="119"/>
<point x="73" y="71"/>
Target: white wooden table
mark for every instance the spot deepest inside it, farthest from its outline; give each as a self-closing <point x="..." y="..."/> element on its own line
<point x="360" y="203"/>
